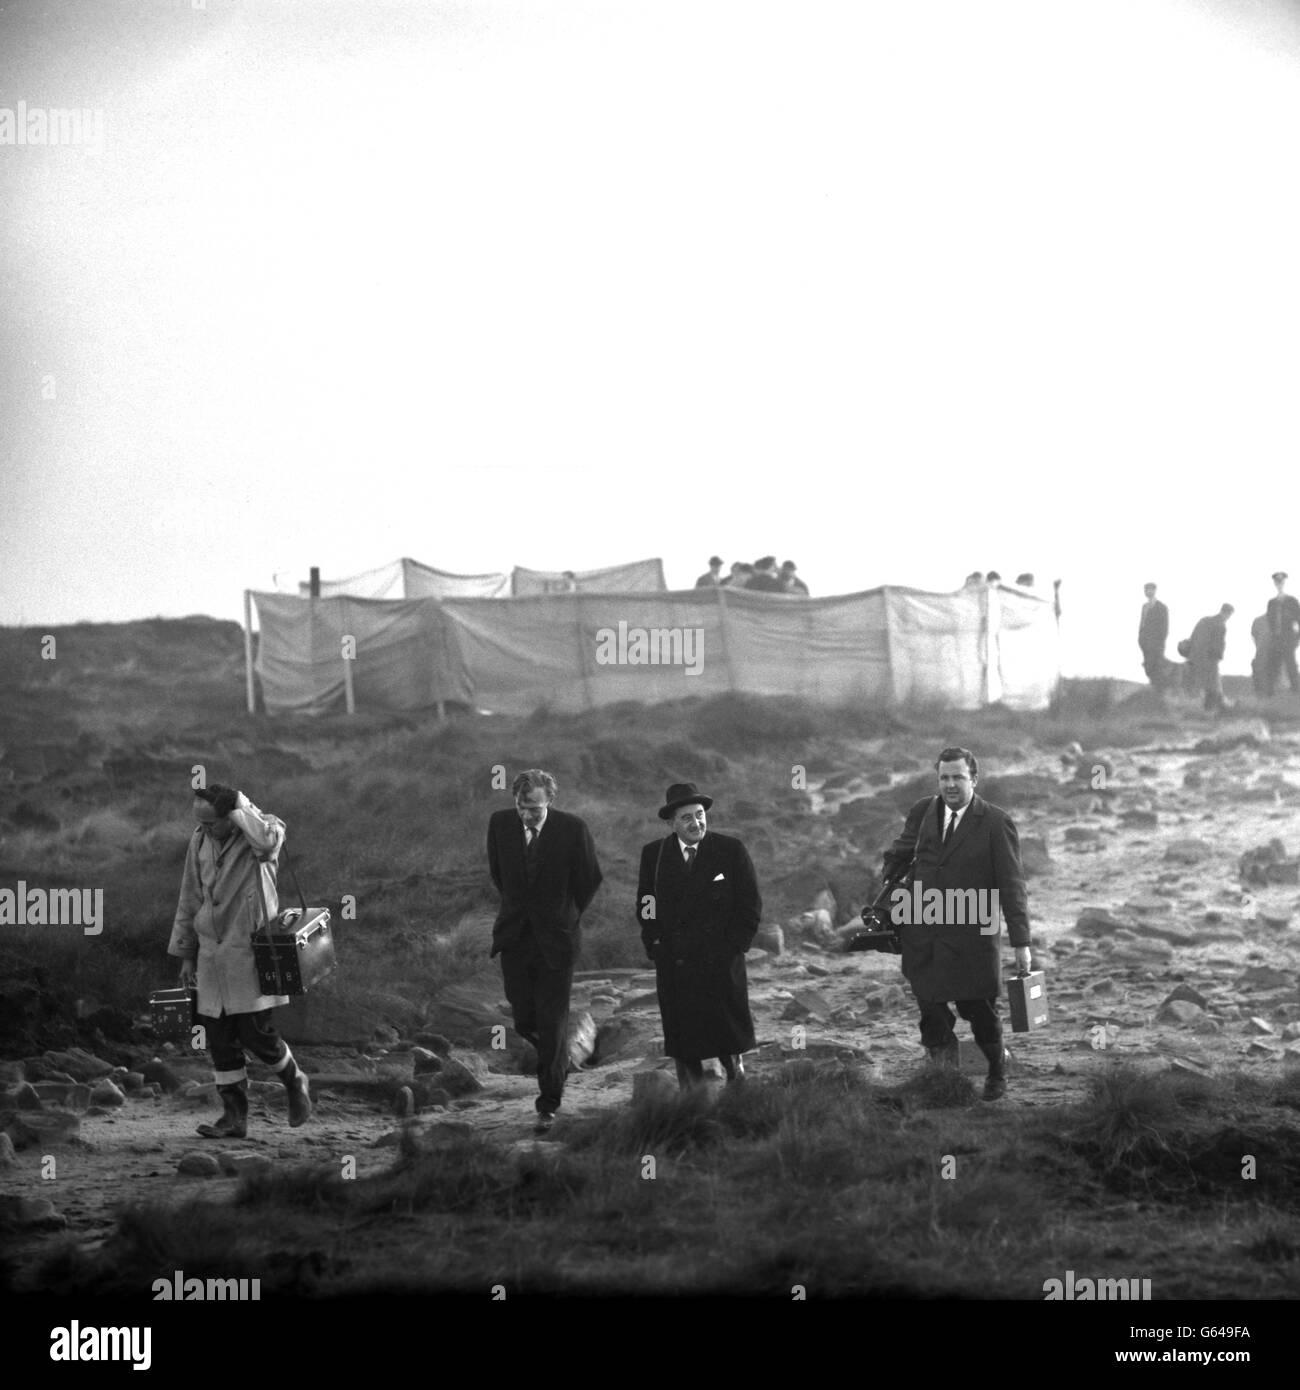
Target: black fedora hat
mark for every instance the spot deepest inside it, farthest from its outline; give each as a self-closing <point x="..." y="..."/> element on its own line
<point x="682" y="794"/>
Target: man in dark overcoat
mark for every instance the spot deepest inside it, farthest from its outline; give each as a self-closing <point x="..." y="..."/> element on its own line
<point x="1153" y="633"/>
<point x="697" y="907"/>
<point x="1284" y="635"/>
<point x="958" y="841"/>
<point x="543" y="863"/>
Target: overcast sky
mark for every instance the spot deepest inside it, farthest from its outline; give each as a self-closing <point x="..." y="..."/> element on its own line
<point x="895" y="290"/>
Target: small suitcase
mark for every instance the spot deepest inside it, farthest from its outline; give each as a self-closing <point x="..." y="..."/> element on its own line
<point x="1027" y="997"/>
<point x="296" y="952"/>
<point x="172" y="1012"/>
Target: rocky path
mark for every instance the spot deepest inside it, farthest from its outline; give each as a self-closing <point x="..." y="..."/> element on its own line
<point x="1164" y="895"/>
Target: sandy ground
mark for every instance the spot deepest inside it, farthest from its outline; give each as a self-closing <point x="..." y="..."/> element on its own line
<point x="1180" y="917"/>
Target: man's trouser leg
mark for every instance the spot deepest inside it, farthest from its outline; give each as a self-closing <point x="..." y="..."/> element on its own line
<point x="539" y="1001"/>
<point x="690" y="1071"/>
<point x="229" y="1073"/>
<point x="982" y="1015"/>
<point x="936" y="1033"/>
<point x="1292" y="674"/>
<point x="257" y="1033"/>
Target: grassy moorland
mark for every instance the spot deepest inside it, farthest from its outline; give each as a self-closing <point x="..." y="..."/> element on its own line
<point x="811" y="1174"/>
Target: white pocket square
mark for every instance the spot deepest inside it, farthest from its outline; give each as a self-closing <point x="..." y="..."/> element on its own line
<point x="717" y="878"/>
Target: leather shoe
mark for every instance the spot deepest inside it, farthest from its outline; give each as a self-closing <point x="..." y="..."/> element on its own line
<point x="300" y="1106"/>
<point x="544" y="1123"/>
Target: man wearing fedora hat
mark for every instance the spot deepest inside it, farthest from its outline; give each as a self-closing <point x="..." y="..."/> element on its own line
<point x="1284" y="633"/>
<point x="697" y="907"/>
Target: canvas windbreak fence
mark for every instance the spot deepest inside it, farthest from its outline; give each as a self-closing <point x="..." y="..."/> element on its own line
<point x="574" y="651"/>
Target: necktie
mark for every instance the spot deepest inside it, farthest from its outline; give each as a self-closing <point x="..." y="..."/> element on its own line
<point x="690" y="858"/>
<point x="531" y="838"/>
<point x="950" y="827"/>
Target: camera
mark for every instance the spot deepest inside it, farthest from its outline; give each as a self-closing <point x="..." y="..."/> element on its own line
<point x="878" y="934"/>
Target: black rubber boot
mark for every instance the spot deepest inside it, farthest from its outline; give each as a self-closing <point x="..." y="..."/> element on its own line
<point x="299" y="1088"/>
<point x="233" y="1123"/>
<point x="996" y="1085"/>
<point x="948" y="1055"/>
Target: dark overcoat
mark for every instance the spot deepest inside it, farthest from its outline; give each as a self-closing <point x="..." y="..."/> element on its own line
<point x="698" y="927"/>
<point x="960" y="960"/>
<point x="563" y="882"/>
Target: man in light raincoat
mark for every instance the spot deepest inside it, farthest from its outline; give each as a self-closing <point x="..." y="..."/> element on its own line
<point x="227" y="891"/>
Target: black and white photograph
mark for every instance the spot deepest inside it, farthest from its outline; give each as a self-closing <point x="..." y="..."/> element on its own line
<point x="648" y="666"/>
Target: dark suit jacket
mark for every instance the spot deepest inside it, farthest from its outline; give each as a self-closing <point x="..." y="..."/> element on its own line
<point x="698" y="927"/>
<point x="568" y="875"/>
<point x="1153" y="628"/>
<point x="958" y="960"/>
<point x="1284" y="618"/>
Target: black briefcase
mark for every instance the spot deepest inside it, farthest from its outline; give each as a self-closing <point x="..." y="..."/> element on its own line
<point x="172" y="1013"/>
<point x="1027" y="998"/>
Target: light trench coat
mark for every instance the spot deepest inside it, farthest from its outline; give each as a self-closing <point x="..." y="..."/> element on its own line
<point x="227" y="891"/>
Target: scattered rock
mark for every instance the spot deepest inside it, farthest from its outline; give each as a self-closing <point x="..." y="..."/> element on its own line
<point x="435" y="1042"/>
<point x="7" y="1156"/>
<point x="653" y="1085"/>
<point x="425" y="1061"/>
<point x="1180" y="1011"/>
<point x="620" y="1038"/>
<point x="404" y="1102"/>
<point x="23" y="1096"/>
<point x="1139" y="820"/>
<point x="1264" y="977"/>
<point x="159" y="1072"/>
<point x="1260" y="1025"/>
<point x="1098" y="921"/>
<point x="581" y="1039"/>
<point x="1240" y="733"/>
<point x="1082" y="835"/>
<point x="1185" y="991"/>
<point x="1267" y="864"/>
<point x="198" y="1164"/>
<point x="105" y="1093"/>
<point x="78" y="1064"/>
<point x="1187" y="851"/>
<point x="770" y="939"/>
<point x="71" y="1095"/>
<point x="27" y="1213"/>
<point x="43" y="1127"/>
<point x="457" y="1079"/>
<point x="238" y="1165"/>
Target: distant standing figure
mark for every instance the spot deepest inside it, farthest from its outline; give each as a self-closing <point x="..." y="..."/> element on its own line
<point x="974" y="580"/>
<point x="1153" y="633"/>
<point x="543" y="863"/>
<point x="1025" y="581"/>
<point x="739" y="576"/>
<point x="1205" y="650"/>
<point x="765" y="577"/>
<point x="714" y="576"/>
<point x="1284" y="626"/>
<point x="791" y="582"/>
<point x="1261" y="664"/>
<point x="697" y="908"/>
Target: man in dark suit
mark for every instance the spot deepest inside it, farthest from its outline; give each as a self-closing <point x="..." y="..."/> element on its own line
<point x="1153" y="633"/>
<point x="697" y="907"/>
<point x="1205" y="650"/>
<point x="714" y="576"/>
<point x="543" y="862"/>
<point x="958" y="841"/>
<point x="1284" y="635"/>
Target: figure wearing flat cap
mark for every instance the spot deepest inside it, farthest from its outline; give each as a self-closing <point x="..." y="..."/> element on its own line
<point x="697" y="908"/>
<point x="1284" y="634"/>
